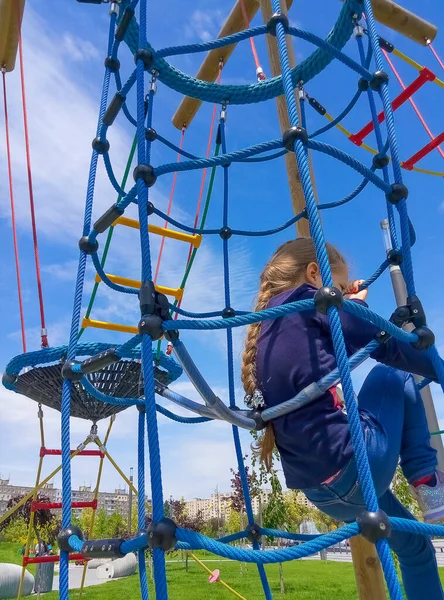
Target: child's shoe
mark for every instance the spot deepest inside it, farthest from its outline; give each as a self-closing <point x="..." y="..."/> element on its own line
<point x="430" y="498"/>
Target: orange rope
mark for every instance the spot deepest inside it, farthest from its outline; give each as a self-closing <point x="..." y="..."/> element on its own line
<point x="435" y="54"/>
<point x="170" y="204"/>
<point x="13" y="221"/>
<point x="259" y="72"/>
<point x="412" y="102"/>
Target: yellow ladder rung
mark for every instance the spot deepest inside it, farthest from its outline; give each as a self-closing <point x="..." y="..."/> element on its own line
<point x="110" y="326"/>
<point x="177" y="293"/>
<point x="195" y="239"/>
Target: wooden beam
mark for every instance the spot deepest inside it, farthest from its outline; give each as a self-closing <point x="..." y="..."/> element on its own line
<point x="294" y="181"/>
<point x="403" y="21"/>
<point x="209" y="68"/>
<point x="11" y="14"/>
<point x="368" y="572"/>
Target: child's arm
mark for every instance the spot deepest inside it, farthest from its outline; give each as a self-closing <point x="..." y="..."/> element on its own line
<point x="393" y="353"/>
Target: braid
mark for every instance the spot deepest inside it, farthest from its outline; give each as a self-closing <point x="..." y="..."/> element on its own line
<point x="248" y="374"/>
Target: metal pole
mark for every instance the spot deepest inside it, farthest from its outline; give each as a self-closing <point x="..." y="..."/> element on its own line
<point x="130" y="500"/>
<point x="400" y="293"/>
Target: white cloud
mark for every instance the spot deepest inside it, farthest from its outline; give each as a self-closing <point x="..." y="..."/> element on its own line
<point x="204" y="24"/>
<point x="78" y="49"/>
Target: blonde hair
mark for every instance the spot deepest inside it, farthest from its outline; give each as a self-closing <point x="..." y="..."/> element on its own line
<point x="283" y="272"/>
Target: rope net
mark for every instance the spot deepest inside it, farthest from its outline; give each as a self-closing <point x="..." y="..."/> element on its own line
<point x="155" y="309"/>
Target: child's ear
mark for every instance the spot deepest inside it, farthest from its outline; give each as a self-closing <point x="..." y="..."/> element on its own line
<point x="312" y="272"/>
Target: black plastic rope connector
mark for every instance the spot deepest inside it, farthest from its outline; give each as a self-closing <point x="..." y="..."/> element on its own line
<point x="85" y="245"/>
<point x="113" y="109"/>
<point x="171" y="335"/>
<point x="417" y="314"/>
<point x="64" y="535"/>
<point x="326" y="297"/>
<point x="292" y="134"/>
<point x="394" y="256"/>
<point x="145" y="172"/>
<point x="127" y="16"/>
<point x="385" y="45"/>
<point x="274" y="20"/>
<point x="68" y="373"/>
<point x="379" y="162"/>
<point x="162" y="534"/>
<point x="150" y="208"/>
<point x="100" y="361"/>
<point x="253" y="533"/>
<point x="260" y="424"/>
<point x="151" y="325"/>
<point x="100" y="146"/>
<point x="150" y="134"/>
<point x="398" y="193"/>
<point x="400" y="316"/>
<point x="363" y="84"/>
<point x="228" y="313"/>
<point x="146" y="56"/>
<point x="108" y="548"/>
<point x="426" y="338"/>
<point x="111" y="63"/>
<point x="147" y="297"/>
<point x="317" y="106"/>
<point x="108" y="218"/>
<point x="225" y="233"/>
<point x="382" y="337"/>
<point x="374" y="526"/>
<point x="379" y="77"/>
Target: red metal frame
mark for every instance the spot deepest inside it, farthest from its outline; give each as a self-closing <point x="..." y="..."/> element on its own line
<point x="55" y="505"/>
<point x="411" y="162"/>
<point x="27" y="560"/>
<point x="424" y="75"/>
<point x="56" y="452"/>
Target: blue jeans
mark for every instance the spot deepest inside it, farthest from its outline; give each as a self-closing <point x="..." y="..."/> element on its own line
<point x="394" y="424"/>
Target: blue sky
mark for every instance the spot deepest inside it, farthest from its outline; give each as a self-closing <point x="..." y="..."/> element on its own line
<point x="64" y="48"/>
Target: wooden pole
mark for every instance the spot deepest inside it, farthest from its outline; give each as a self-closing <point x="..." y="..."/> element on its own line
<point x="209" y="68"/>
<point x="404" y="22"/>
<point x="294" y="181"/>
<point x="368" y="572"/>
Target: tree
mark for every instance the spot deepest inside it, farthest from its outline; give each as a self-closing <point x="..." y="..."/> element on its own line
<point x="275" y="514"/>
<point x="86" y="521"/>
<point x="211" y="527"/>
<point x="295" y="512"/>
<point x="166" y="508"/>
<point x="179" y="514"/>
<point x="100" y="525"/>
<point x="45" y="522"/>
<point x="116" y="525"/>
<point x="400" y="489"/>
<point x="233" y="523"/>
<point x="15" y="531"/>
<point x="324" y="522"/>
<point x="237" y="496"/>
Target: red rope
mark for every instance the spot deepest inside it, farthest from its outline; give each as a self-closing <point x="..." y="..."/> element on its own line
<point x="170" y="204"/>
<point x="44" y="338"/>
<point x="412" y="102"/>
<point x="259" y="72"/>
<point x="13" y="222"/>
<point x="435" y="54"/>
<point x="204" y="174"/>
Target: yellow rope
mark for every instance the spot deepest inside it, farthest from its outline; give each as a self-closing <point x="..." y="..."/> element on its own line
<point x="96" y="496"/>
<point x="225" y="585"/>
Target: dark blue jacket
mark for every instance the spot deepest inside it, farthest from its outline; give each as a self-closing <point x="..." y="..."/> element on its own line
<point x="294" y="351"/>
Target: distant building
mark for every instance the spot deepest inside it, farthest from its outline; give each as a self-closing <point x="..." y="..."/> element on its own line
<point x="112" y="502"/>
<point x="217" y="506"/>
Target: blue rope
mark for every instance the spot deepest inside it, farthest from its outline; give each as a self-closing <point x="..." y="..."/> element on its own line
<point x="140" y="347"/>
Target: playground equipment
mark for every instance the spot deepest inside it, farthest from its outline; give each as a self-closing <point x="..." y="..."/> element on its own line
<point x="84" y="382"/>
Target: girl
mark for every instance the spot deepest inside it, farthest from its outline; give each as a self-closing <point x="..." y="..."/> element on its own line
<point x="283" y="356"/>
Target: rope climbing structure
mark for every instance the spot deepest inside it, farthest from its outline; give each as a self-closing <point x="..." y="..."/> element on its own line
<point x="68" y="378"/>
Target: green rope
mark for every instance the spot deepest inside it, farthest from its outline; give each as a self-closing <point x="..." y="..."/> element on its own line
<point x="110" y="233"/>
<point x="437" y="432"/>
<point x="201" y="226"/>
